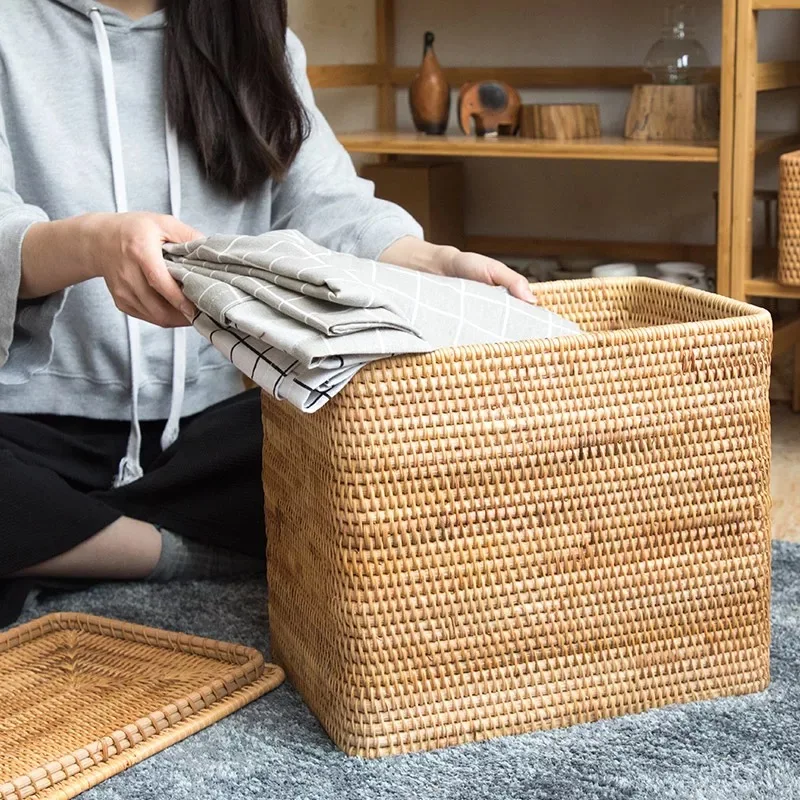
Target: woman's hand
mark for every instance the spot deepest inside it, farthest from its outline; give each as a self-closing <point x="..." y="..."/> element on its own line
<point x="126" y="253"/>
<point x="123" y="249"/>
<point x="444" y="260"/>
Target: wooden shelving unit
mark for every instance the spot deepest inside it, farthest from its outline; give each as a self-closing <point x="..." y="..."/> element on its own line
<point x="751" y="80"/>
<point x="750" y="77"/>
<point x="387" y="142"/>
<point x="741" y="78"/>
<point x="606" y="148"/>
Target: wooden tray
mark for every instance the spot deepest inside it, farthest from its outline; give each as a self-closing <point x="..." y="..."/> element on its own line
<point x="83" y="698"/>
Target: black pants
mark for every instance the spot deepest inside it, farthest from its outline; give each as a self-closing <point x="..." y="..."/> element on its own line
<point x="56" y="477"/>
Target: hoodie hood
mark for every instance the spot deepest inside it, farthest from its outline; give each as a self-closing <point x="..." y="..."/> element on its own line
<point x="114" y="18"/>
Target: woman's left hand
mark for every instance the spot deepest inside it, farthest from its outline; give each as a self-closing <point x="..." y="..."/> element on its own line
<point x="444" y="260"/>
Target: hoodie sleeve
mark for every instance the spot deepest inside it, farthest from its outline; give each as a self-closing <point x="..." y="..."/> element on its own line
<point x="322" y="195"/>
<point x="27" y="325"/>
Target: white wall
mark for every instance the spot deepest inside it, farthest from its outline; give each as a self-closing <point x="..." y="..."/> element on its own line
<point x="550" y="198"/>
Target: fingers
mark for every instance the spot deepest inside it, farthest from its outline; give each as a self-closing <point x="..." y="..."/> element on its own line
<point x="177" y="231"/>
<point x="520" y="288"/>
<point x="138" y="299"/>
<point x="517" y="284"/>
<point x="158" y="278"/>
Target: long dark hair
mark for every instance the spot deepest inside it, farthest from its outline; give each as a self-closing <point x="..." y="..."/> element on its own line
<point x="229" y="89"/>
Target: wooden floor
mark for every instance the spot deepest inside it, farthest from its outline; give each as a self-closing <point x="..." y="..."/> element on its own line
<point x="785" y="473"/>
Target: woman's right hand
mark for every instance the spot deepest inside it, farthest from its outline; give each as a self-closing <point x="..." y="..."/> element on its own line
<point x="123" y="249"/>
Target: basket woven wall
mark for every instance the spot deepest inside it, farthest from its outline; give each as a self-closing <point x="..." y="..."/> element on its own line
<point x="789" y="220"/>
<point x="491" y="540"/>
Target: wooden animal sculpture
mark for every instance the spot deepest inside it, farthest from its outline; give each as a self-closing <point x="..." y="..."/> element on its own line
<point x="429" y="95"/>
<point x="493" y="107"/>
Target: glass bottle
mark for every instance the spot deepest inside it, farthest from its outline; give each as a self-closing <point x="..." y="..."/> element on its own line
<point x="677" y="58"/>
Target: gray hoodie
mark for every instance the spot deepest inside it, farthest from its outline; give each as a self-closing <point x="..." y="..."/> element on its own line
<point x="68" y="68"/>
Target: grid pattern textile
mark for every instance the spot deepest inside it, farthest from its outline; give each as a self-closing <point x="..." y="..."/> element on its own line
<point x="301" y="320"/>
<point x="83" y="698"/>
<point x="789" y="220"/>
<point x="494" y="539"/>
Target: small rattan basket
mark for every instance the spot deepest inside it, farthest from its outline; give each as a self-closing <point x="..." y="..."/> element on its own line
<point x="490" y="540"/>
<point x="789" y="220"/>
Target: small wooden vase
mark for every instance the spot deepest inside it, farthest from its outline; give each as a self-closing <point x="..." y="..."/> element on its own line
<point x="673" y="113"/>
<point x="429" y="96"/>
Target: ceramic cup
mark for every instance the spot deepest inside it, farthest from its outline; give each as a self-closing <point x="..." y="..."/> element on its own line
<point x="615" y="271"/>
<point x="539" y="269"/>
<point x="685" y="273"/>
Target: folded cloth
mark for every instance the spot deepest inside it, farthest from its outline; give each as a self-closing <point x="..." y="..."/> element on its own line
<point x="301" y="320"/>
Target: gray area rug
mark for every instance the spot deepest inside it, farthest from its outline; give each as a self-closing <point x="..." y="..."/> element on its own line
<point x="740" y="748"/>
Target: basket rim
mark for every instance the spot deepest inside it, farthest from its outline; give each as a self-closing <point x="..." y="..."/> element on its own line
<point x="737" y="308"/>
<point x="743" y="316"/>
<point x="240" y="657"/>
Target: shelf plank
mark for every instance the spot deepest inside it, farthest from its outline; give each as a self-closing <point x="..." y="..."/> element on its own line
<point x="607" y="148"/>
<point x="776" y="5"/>
<point x="614" y="148"/>
<point x="536" y="77"/>
<point x="544" y="77"/>
<point x="775" y="142"/>
<point x="767" y="286"/>
<point x="772" y="75"/>
<point x="326" y="76"/>
<point x="338" y="75"/>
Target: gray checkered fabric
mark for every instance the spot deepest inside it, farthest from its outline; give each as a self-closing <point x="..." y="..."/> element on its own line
<point x="301" y="320"/>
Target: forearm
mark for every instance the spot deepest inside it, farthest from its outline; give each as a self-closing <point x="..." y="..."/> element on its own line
<point x="55" y="255"/>
<point x="420" y="255"/>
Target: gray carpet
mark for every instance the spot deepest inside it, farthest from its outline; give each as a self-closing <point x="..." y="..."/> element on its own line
<point x="740" y="748"/>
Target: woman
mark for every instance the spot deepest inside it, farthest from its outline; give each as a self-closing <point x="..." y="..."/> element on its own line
<point x="127" y="447"/>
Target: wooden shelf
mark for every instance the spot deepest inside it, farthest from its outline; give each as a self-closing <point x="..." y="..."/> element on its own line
<point x="775" y="142"/>
<point x="770" y="75"/>
<point x="773" y="75"/>
<point x="767" y="286"/>
<point x="325" y="76"/>
<point x="606" y="148"/>
<point x="776" y="5"/>
<point x="541" y="77"/>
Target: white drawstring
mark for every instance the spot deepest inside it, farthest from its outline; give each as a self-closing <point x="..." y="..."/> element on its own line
<point x="173" y="426"/>
<point x="130" y="468"/>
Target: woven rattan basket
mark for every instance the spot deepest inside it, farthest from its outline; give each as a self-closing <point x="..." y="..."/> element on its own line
<point x="497" y="539"/>
<point x="83" y="698"/>
<point x="789" y="220"/>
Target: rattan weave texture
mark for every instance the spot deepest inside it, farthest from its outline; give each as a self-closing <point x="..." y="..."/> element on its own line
<point x="83" y="698"/>
<point x="789" y="219"/>
<point x="491" y="540"/>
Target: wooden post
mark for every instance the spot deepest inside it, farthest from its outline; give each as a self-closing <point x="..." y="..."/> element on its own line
<point x="385" y="58"/>
<point x="724" y="200"/>
<point x="796" y="386"/>
<point x="744" y="148"/>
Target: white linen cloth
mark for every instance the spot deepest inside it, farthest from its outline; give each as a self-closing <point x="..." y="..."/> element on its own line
<point x="301" y="320"/>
